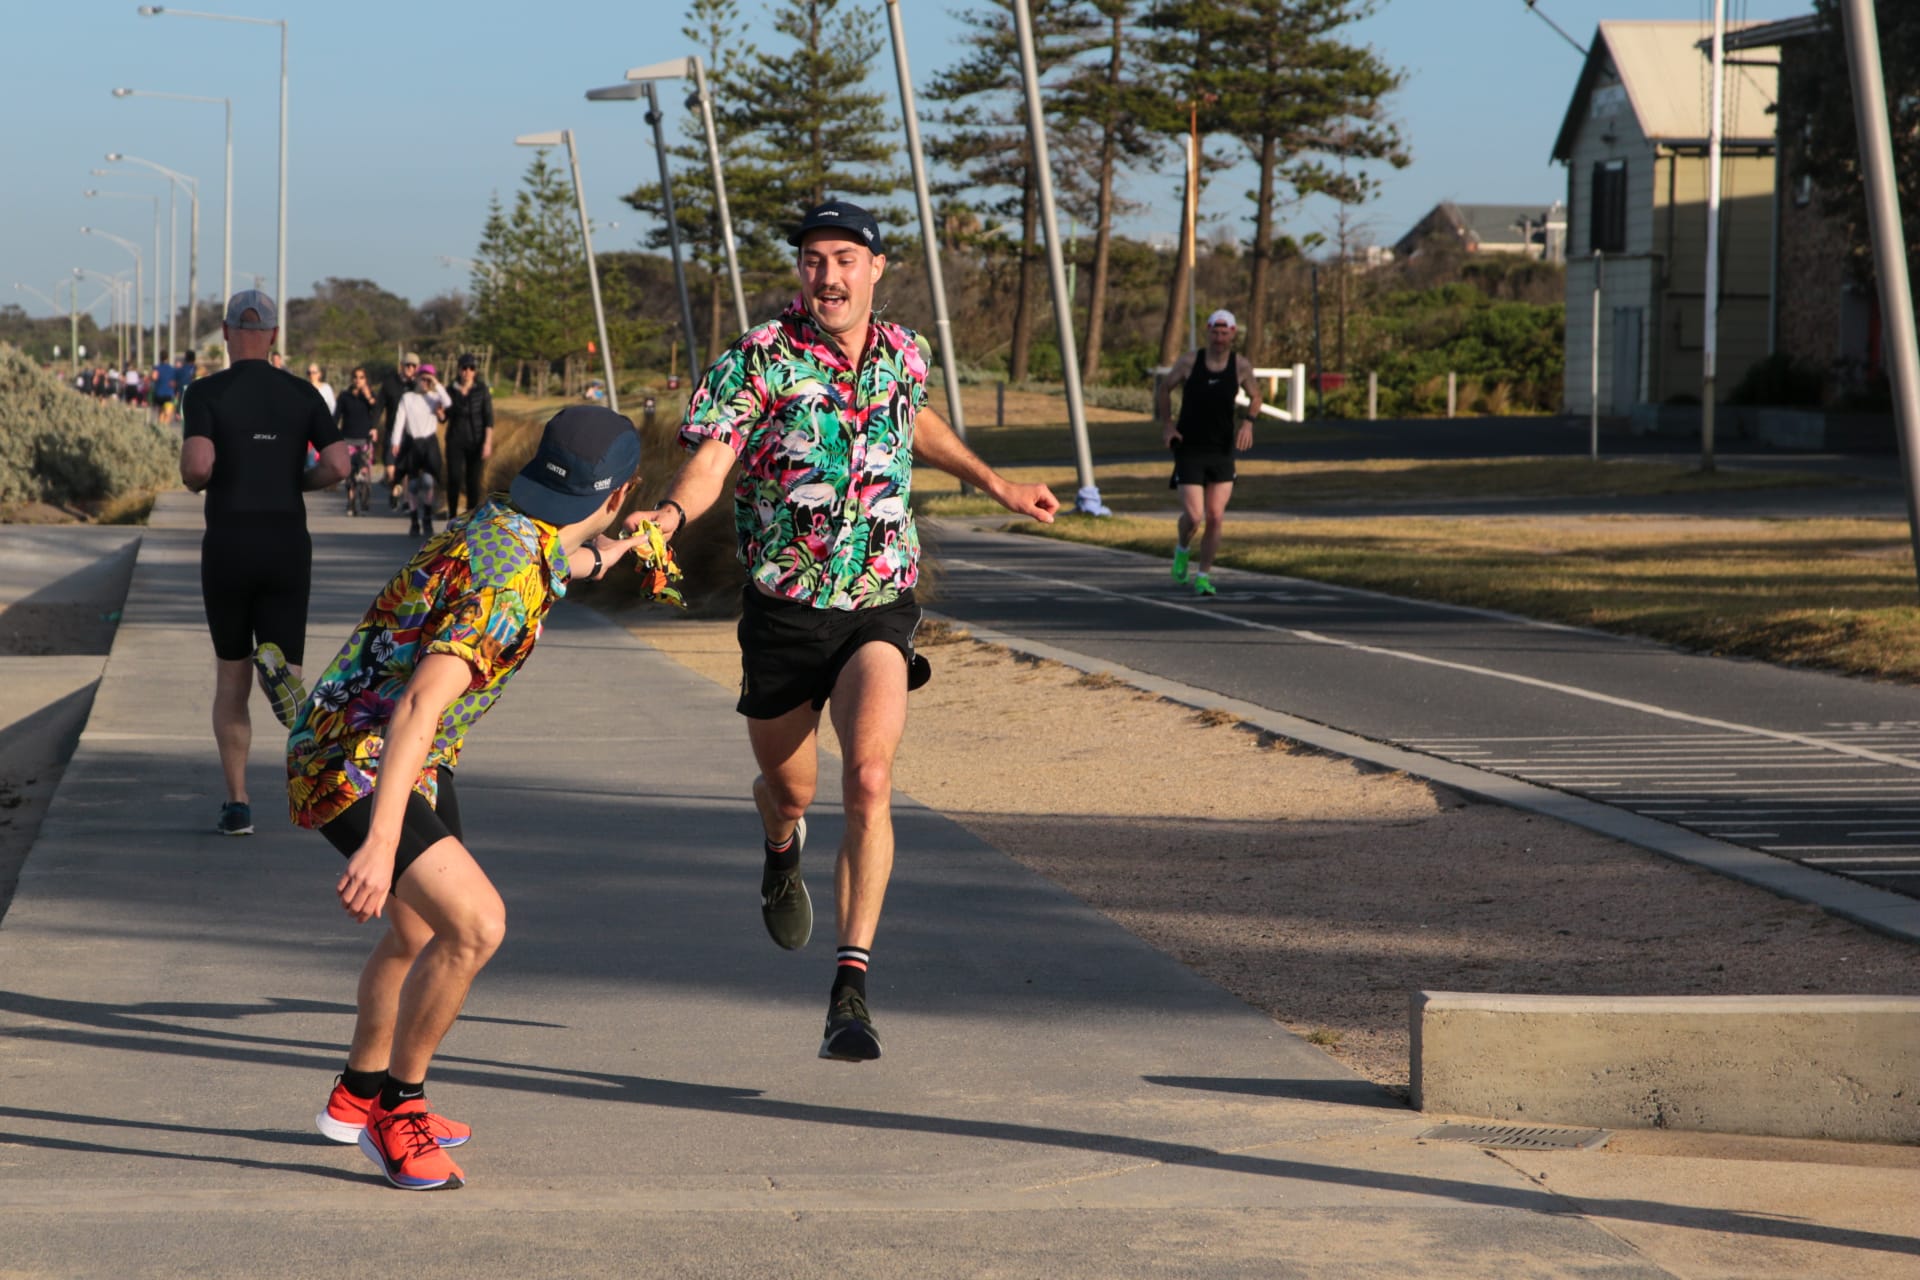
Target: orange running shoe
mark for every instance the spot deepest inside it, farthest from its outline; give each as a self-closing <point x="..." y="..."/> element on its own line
<point x="401" y="1142"/>
<point x="345" y="1117"/>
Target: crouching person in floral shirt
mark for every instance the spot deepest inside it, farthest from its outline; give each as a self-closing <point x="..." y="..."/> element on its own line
<point x="824" y="409"/>
<point x="372" y="754"/>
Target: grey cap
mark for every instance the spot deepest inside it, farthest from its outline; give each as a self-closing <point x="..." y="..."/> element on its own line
<point x="266" y="313"/>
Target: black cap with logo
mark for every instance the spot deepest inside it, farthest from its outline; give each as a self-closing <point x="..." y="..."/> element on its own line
<point x="585" y="453"/>
<point x="842" y="216"/>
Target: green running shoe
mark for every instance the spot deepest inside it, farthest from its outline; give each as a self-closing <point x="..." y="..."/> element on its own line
<point x="285" y="692"/>
<point x="1180" y="556"/>
<point x="849" y="1036"/>
<point x="1203" y="585"/>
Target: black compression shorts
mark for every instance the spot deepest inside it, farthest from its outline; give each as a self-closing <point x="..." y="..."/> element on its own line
<point x="423" y="826"/>
<point x="255" y="582"/>
<point x="792" y="653"/>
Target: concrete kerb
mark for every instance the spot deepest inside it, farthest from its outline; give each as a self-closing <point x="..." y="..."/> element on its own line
<point x="1835" y="1067"/>
<point x="1892" y="914"/>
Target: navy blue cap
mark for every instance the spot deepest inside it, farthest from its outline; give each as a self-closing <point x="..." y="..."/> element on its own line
<point x="842" y="216"/>
<point x="586" y="452"/>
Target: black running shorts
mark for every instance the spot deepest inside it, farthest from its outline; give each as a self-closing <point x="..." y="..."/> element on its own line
<point x="792" y="653"/>
<point x="1202" y="468"/>
<point x="255" y="582"/>
<point x="423" y="826"/>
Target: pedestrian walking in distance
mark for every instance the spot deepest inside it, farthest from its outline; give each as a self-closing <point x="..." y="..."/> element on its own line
<point x="246" y="433"/>
<point x="469" y="436"/>
<point x="1209" y="430"/>
<point x="371" y="760"/>
<point x="824" y="410"/>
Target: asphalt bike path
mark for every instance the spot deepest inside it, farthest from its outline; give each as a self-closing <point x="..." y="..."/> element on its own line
<point x="1811" y="781"/>
<point x="638" y="1062"/>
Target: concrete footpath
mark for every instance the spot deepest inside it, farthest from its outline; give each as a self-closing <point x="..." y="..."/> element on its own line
<point x="638" y="1062"/>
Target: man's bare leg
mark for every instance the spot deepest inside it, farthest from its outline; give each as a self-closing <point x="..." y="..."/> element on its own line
<point x="378" y="1004"/>
<point x="232" y="727"/>
<point x="1192" y="509"/>
<point x="1216" y="515"/>
<point x="869" y="709"/>
<point x="785" y="749"/>
<point x="454" y="898"/>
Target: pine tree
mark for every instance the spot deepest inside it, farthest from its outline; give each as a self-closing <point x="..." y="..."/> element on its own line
<point x="1101" y="102"/>
<point x="714" y="27"/>
<point x="815" y="126"/>
<point x="985" y="138"/>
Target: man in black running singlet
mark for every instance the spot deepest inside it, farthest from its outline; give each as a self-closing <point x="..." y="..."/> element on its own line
<point x="1209" y="430"/>
<point x="246" y="431"/>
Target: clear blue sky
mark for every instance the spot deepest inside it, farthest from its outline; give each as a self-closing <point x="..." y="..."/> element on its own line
<point x="401" y="128"/>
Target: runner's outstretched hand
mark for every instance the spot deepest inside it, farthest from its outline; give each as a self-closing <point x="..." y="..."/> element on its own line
<point x="1034" y="500"/>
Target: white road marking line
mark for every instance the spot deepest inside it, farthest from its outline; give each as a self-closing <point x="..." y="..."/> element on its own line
<point x="1533" y="682"/>
<point x="1829" y="848"/>
<point x="1908" y="857"/>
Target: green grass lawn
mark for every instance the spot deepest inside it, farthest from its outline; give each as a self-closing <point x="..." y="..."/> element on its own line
<point x="1838" y="594"/>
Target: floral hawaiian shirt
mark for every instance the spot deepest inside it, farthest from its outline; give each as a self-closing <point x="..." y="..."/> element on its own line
<point x="478" y="591"/>
<point x="827" y="458"/>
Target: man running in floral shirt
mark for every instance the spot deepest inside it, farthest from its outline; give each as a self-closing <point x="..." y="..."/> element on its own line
<point x="371" y="759"/>
<point x="824" y="408"/>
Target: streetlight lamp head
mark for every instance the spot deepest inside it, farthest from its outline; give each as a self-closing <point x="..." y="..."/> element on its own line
<point x="551" y="138"/>
<point x="617" y="93"/>
<point x="86" y="231"/>
<point x="671" y="69"/>
<point x="115" y="155"/>
<point x="89" y="193"/>
<point x="122" y="93"/>
<point x="149" y="10"/>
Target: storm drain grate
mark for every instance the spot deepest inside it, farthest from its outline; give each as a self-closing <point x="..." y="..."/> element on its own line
<point x="1519" y="1137"/>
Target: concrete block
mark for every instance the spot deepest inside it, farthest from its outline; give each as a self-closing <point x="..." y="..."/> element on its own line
<point x="1845" y="1067"/>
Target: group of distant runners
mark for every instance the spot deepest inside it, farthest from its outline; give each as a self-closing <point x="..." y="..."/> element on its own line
<point x="822" y="411"/>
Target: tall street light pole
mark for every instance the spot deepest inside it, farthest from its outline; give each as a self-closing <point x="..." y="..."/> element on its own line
<point x="139" y="275"/>
<point x="226" y="259"/>
<point x="644" y="89"/>
<point x="1087" y="501"/>
<point x="1889" y="244"/>
<point x="177" y="180"/>
<point x="280" y="296"/>
<point x="564" y="138"/>
<point x="929" y="234"/>
<point x="142" y="195"/>
<point x="117" y="285"/>
<point x="689" y="68"/>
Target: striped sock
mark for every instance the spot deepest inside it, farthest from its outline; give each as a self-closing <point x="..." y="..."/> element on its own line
<point x="850" y="971"/>
<point x="784" y="857"/>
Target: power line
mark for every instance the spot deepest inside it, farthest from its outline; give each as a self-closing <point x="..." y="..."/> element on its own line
<point x="1533" y="8"/>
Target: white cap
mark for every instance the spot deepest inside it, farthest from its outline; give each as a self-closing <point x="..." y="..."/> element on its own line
<point x="1222" y="316"/>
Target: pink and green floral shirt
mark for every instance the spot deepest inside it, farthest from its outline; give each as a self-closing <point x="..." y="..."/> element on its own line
<point x="826" y="451"/>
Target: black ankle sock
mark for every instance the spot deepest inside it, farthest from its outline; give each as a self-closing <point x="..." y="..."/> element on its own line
<point x="784" y="857"/>
<point x="364" y="1084"/>
<point x="394" y="1092"/>
<point x="851" y="972"/>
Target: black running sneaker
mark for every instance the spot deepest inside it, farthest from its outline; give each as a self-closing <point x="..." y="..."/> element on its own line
<point x="784" y="904"/>
<point x="850" y="1036"/>
<point x="236" y="819"/>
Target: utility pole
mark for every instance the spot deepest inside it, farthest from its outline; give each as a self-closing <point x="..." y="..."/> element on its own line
<point x="1710" y="352"/>
<point x="1889" y="243"/>
<point x="1593" y="361"/>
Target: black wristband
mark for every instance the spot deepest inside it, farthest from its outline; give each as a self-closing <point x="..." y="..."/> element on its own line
<point x="669" y="502"/>
<point x="598" y="564"/>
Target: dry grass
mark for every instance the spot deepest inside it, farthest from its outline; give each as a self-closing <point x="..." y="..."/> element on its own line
<point x="1277" y="486"/>
<point x="1837" y="594"/>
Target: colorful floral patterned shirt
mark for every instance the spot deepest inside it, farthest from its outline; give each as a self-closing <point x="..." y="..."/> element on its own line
<point x="826" y="449"/>
<point x="478" y="591"/>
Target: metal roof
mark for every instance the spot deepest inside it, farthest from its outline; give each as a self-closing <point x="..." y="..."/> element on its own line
<point x="1665" y="76"/>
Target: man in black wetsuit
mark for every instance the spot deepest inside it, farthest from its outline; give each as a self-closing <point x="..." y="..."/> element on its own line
<point x="1204" y="438"/>
<point x="246" y="434"/>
